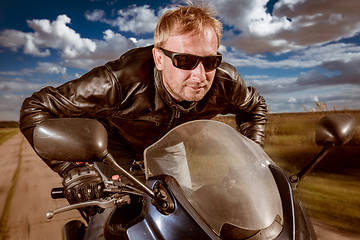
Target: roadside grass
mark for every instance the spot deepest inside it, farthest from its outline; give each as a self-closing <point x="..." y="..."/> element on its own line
<point x="331" y="191"/>
<point x="333" y="199"/>
<point x="6" y="133"/>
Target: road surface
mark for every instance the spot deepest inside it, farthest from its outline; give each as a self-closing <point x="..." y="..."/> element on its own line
<point x="25" y="185"/>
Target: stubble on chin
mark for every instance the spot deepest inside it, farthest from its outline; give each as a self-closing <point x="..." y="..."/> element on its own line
<point x="195" y="95"/>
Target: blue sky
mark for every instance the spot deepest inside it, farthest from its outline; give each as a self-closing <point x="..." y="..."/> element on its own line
<point x="295" y="52"/>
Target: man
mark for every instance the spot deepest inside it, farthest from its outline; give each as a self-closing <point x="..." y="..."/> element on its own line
<point x="147" y="92"/>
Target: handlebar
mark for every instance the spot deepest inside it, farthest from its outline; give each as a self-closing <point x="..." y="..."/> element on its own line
<point x="113" y="198"/>
<point x="57" y="193"/>
<point x="99" y="203"/>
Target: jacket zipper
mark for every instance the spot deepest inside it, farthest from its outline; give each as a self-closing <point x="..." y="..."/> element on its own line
<point x="175" y="116"/>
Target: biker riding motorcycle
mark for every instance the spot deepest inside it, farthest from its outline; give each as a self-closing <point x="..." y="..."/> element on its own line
<point x="132" y="97"/>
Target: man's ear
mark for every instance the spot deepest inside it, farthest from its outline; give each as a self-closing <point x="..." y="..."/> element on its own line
<point x="158" y="58"/>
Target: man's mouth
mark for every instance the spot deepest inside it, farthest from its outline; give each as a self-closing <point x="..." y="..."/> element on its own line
<point x="197" y="87"/>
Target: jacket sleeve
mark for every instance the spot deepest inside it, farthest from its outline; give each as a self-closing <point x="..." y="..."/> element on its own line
<point x="250" y="110"/>
<point x="92" y="95"/>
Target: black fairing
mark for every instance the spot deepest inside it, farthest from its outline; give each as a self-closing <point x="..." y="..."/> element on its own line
<point x="141" y="219"/>
<point x="150" y="224"/>
<point x="122" y="218"/>
<point x="74" y="230"/>
<point x="297" y="223"/>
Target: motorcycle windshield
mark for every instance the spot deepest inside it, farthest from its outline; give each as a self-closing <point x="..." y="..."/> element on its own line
<point x="224" y="175"/>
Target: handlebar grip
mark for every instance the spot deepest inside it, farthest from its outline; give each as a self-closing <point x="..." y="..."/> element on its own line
<point x="57" y="193"/>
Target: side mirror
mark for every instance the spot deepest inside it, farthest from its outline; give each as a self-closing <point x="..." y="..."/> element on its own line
<point x="79" y="140"/>
<point x="332" y="130"/>
<point x="336" y="128"/>
<point x="71" y="139"/>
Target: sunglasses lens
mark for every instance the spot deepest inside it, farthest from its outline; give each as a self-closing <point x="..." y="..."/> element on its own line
<point x="186" y="62"/>
<point x="211" y="62"/>
<point x="189" y="62"/>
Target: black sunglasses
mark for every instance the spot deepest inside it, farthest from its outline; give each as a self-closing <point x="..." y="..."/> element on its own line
<point x="188" y="61"/>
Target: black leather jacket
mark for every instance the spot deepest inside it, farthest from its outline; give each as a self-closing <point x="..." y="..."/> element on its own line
<point x="128" y="97"/>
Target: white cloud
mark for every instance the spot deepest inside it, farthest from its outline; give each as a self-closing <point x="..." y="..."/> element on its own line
<point x="111" y="47"/>
<point x="95" y="15"/>
<point x="256" y="77"/>
<point x="48" y="35"/>
<point x="272" y="85"/>
<point x="345" y="52"/>
<point x="135" y="19"/>
<point x="13" y="91"/>
<point x="30" y="47"/>
<point x="142" y="42"/>
<point x="293" y="25"/>
<point x="10" y="107"/>
<point x="50" y="68"/>
<point x="331" y="95"/>
<point x="138" y="20"/>
<point x="316" y="56"/>
<point x="75" y="51"/>
<point x="292" y="100"/>
<point x="16" y="73"/>
<point x="257" y="26"/>
<point x="12" y="39"/>
<point x="42" y="67"/>
<point x="18" y="85"/>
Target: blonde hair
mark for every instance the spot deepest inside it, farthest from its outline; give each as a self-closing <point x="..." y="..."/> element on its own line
<point x="185" y="19"/>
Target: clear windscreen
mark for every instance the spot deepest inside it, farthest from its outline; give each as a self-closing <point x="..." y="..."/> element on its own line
<point x="224" y="175"/>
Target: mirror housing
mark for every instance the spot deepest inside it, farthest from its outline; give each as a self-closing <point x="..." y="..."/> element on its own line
<point x="336" y="128"/>
<point x="71" y="139"/>
<point x="332" y="130"/>
<point x="79" y="140"/>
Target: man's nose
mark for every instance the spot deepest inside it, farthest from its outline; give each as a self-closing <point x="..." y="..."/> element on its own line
<point x="199" y="71"/>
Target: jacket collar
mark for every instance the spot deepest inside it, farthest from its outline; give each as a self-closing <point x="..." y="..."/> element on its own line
<point x="165" y="95"/>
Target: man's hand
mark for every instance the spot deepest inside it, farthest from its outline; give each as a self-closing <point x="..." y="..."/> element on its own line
<point x="82" y="183"/>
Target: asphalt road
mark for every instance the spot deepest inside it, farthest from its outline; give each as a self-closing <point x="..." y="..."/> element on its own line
<point x="25" y="185"/>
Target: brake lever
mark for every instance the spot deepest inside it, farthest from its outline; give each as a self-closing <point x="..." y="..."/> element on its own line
<point x="99" y="203"/>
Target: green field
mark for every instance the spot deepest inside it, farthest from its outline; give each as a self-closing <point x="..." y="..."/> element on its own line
<point x="331" y="192"/>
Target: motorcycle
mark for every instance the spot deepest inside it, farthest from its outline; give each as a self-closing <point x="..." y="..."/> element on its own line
<point x="203" y="180"/>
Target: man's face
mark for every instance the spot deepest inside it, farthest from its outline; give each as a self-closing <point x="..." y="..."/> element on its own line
<point x="188" y="85"/>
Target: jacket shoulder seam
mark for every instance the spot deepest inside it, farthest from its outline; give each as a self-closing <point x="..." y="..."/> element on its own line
<point x="115" y="81"/>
